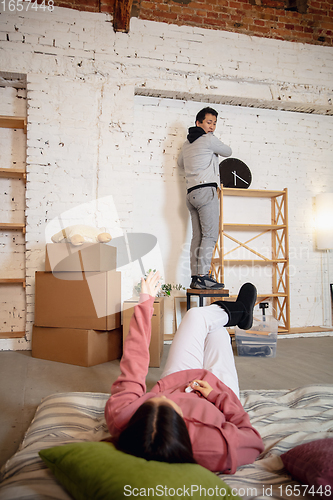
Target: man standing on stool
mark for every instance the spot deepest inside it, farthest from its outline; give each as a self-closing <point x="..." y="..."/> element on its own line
<point x="200" y="159"/>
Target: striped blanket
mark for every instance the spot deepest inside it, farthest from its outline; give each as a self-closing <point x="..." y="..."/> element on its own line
<point x="283" y="418"/>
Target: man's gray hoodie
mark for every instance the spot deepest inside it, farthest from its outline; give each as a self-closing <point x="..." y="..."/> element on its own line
<point x="200" y="157"/>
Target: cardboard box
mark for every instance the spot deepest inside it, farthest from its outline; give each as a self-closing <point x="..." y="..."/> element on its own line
<point x="76" y="346"/>
<point x="64" y="257"/>
<point x="157" y="328"/>
<point x="90" y="301"/>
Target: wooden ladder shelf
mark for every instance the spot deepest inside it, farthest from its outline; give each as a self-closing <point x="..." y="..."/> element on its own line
<point x="279" y="259"/>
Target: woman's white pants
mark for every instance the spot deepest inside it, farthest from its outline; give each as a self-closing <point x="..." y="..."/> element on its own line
<point x="201" y="341"/>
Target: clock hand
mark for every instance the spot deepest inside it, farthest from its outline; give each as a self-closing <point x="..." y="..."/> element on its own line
<point x="235" y="175"/>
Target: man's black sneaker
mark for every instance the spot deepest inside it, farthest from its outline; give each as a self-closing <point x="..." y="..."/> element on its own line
<point x="206" y="282"/>
<point x="194" y="279"/>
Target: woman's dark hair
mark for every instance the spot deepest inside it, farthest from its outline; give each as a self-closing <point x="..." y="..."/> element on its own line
<point x="157" y="432"/>
<point x="205" y="111"/>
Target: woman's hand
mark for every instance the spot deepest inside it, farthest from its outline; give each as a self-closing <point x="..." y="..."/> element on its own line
<point x="151" y="284"/>
<point x="203" y="388"/>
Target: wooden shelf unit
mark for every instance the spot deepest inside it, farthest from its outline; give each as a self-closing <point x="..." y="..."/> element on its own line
<point x="12" y="281"/>
<point x="252" y="227"/>
<point x="279" y="244"/>
<point x="13" y="173"/>
<point x="9" y="226"/>
<point x="13" y="122"/>
<point x="12" y="335"/>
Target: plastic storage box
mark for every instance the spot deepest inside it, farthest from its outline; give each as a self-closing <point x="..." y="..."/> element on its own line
<point x="260" y="340"/>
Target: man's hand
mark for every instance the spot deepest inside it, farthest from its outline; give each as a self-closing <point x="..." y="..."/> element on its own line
<point x="151" y="284"/>
<point x="204" y="388"/>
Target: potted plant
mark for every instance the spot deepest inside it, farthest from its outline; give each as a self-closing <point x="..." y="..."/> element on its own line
<point x="166" y="288"/>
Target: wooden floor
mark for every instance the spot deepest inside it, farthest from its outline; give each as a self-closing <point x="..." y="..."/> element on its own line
<point x="311" y="329"/>
<point x="298" y="361"/>
<point x="26" y="380"/>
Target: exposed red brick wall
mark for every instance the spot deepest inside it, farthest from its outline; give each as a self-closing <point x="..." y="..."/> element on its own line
<point x="87" y="5"/>
<point x="265" y="18"/>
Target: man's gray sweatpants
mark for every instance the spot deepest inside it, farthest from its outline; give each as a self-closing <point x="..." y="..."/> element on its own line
<point x="203" y="204"/>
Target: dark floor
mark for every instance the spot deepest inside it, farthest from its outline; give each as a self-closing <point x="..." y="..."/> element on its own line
<point x="26" y="380"/>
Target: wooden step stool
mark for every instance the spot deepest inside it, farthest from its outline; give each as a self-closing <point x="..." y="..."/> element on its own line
<point x="204" y="293"/>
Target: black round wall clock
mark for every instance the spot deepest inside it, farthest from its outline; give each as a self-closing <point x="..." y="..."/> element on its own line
<point x="235" y="174"/>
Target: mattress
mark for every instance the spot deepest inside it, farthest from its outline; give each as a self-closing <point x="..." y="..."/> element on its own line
<point x="284" y="418"/>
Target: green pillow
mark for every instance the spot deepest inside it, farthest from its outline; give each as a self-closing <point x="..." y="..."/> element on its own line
<point x="98" y="471"/>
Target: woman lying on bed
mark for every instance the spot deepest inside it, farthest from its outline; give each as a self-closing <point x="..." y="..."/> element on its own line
<point x="207" y="425"/>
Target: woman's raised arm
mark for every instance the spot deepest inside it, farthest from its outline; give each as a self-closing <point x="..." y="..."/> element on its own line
<point x="130" y="386"/>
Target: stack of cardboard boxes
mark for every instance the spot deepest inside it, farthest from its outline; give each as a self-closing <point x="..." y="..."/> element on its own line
<point x="77" y="305"/>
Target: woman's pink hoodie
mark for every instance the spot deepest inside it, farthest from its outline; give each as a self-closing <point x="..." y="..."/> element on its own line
<point x="221" y="434"/>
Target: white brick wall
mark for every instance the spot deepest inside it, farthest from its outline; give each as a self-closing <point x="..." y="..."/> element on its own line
<point x="89" y="136"/>
<point x="263" y="139"/>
